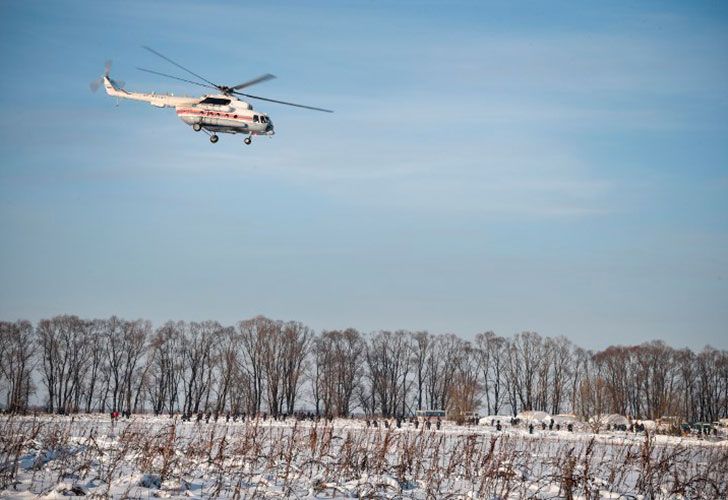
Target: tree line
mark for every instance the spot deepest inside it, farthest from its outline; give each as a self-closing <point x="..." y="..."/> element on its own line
<point x="67" y="364"/>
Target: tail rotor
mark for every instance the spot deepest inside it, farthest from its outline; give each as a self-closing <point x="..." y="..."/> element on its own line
<point x="94" y="85"/>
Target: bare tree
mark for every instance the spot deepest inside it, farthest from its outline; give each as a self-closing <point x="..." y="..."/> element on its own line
<point x="592" y="401"/>
<point x="119" y="365"/>
<point x="227" y="362"/>
<point x="722" y="379"/>
<point x="441" y="366"/>
<point x="493" y="352"/>
<point x="657" y="370"/>
<point x="320" y="353"/>
<point x="63" y="344"/>
<point x="253" y="333"/>
<point x="420" y="351"/>
<point x="134" y="342"/>
<point x="197" y="348"/>
<point x="685" y="360"/>
<point x="113" y="337"/>
<point x="525" y="361"/>
<point x="388" y="360"/>
<point x="271" y="339"/>
<point x="562" y="370"/>
<point x="96" y="361"/>
<point x="614" y="365"/>
<point x="296" y="344"/>
<point x="166" y="358"/>
<point x="466" y="388"/>
<point x="17" y="351"/>
<point x="710" y="384"/>
<point x="339" y="354"/>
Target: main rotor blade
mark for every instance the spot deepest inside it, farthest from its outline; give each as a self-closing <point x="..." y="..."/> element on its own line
<point x="262" y="78"/>
<point x="179" y="66"/>
<point x="283" y="102"/>
<point x="175" y="77"/>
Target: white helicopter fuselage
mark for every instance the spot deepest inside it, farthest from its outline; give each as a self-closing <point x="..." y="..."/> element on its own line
<point x="220" y="113"/>
<point x="214" y="112"/>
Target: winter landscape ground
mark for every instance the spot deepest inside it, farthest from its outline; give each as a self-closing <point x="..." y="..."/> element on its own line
<point x="146" y="456"/>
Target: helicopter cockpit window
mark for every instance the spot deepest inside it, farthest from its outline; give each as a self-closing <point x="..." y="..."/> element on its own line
<point x="263" y="119"/>
<point x="218" y="101"/>
<point x="255" y="118"/>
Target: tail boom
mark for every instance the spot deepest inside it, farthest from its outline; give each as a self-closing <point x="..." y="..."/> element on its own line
<point x="157" y="100"/>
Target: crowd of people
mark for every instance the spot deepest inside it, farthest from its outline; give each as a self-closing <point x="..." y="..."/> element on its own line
<point x="427" y="423"/>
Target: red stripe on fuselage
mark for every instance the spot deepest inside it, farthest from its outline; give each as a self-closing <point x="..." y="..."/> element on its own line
<point x="214" y="114"/>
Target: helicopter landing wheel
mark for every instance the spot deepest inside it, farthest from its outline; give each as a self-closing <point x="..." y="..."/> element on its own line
<point x="196" y="127"/>
<point x="214" y="138"/>
<point x="247" y="140"/>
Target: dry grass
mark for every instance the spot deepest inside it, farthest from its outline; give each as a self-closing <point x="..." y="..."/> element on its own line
<point x="256" y="459"/>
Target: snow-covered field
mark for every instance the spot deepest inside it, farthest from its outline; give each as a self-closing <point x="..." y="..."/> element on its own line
<point x="163" y="457"/>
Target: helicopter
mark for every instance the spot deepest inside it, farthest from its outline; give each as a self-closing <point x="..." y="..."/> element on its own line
<point x="220" y="112"/>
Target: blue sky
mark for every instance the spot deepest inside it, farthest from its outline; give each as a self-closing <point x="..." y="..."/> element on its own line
<point x="505" y="166"/>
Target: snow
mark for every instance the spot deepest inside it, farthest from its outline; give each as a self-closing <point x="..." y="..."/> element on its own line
<point x="146" y="456"/>
<point x="494" y="418"/>
<point x="534" y="416"/>
<point x="616" y="419"/>
<point x="648" y="424"/>
<point x="565" y="419"/>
